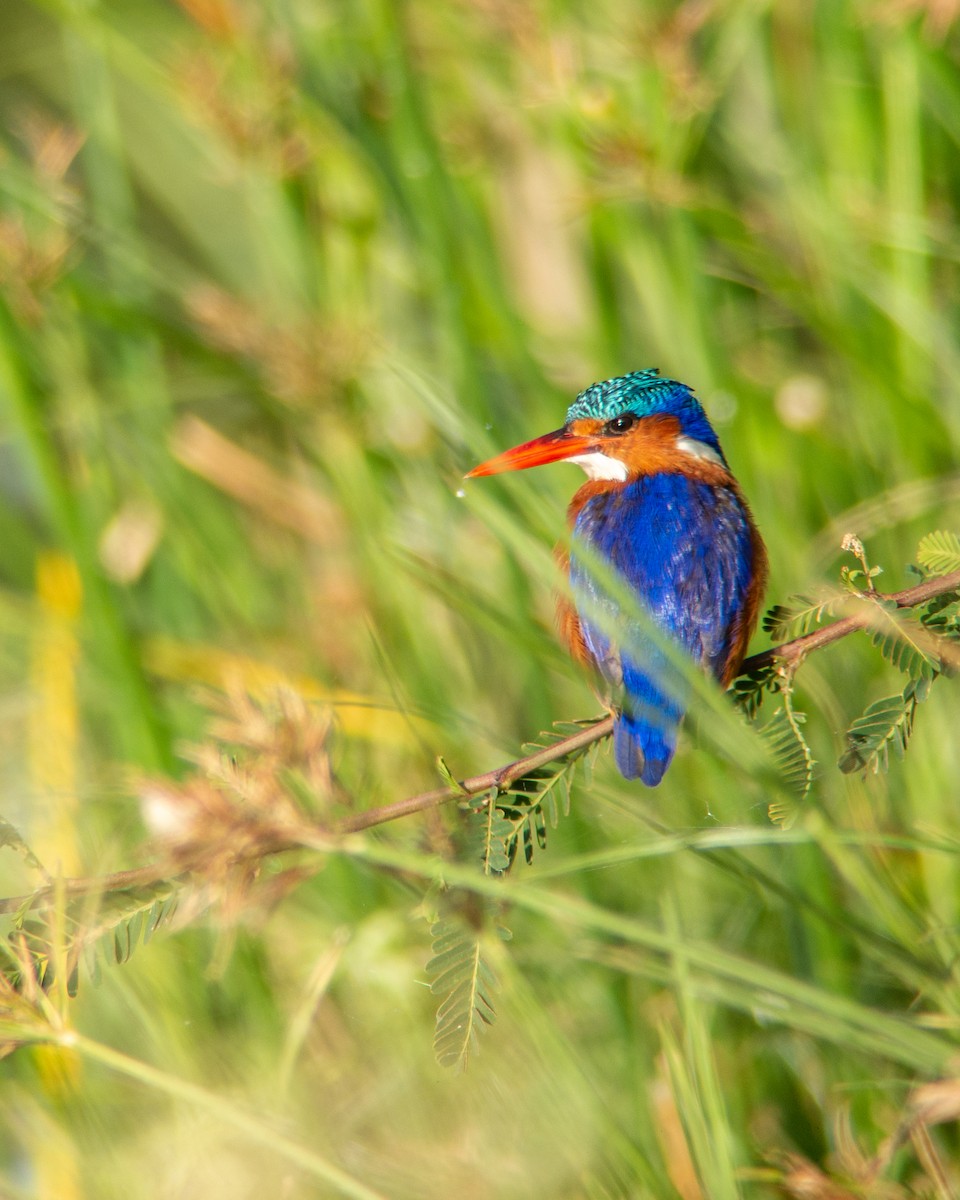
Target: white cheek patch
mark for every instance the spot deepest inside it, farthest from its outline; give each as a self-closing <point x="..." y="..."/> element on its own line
<point x="697" y="449"/>
<point x="599" y="466"/>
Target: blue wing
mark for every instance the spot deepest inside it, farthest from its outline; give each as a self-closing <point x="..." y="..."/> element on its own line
<point x="684" y="548"/>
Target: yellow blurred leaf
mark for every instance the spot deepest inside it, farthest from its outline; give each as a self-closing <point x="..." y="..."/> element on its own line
<point x="357" y="715"/>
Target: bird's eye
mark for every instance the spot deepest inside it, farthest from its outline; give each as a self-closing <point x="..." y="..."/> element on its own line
<point x="620" y="424"/>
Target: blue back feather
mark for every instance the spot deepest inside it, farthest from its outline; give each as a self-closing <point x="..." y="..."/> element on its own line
<point x="683" y="548"/>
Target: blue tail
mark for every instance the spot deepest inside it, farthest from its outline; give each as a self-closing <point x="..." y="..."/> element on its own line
<point x="645" y="733"/>
<point x="643" y="751"/>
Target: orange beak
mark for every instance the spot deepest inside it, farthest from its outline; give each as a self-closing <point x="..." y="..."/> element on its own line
<point x="552" y="447"/>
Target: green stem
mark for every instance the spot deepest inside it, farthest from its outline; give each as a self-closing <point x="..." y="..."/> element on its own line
<point x="252" y="1127"/>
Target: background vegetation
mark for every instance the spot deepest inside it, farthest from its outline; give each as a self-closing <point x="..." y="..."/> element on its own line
<point x="272" y="277"/>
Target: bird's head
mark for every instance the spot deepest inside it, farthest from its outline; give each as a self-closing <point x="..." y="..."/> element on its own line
<point x="636" y="424"/>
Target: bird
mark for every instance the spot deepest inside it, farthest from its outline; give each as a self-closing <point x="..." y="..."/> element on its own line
<point x="663" y="516"/>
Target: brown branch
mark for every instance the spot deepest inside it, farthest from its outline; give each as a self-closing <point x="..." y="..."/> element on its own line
<point x="501" y="777"/>
<point x="154" y="872"/>
<point x="787" y="652"/>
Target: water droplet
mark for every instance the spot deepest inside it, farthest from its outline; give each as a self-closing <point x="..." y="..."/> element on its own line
<point x="460" y="493"/>
<point x="488" y="428"/>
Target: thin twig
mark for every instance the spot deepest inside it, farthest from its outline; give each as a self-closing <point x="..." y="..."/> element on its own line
<point x="501" y="778"/>
<point x="799" y="647"/>
<point x="787" y="652"/>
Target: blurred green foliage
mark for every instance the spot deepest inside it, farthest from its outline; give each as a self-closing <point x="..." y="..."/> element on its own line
<point x="273" y="275"/>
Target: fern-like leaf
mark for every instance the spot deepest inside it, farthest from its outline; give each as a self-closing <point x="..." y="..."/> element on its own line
<point x="465" y="980"/>
<point x="128" y="919"/>
<point x="941" y="616"/>
<point x="530" y="802"/>
<point x="542" y="796"/>
<point x="793" y="756"/>
<point x="884" y="725"/>
<point x="124" y="920"/>
<point x="939" y="552"/>
<point x="749" y="689"/>
<point x="784" y="622"/>
<point x="904" y="646"/>
<point x="490" y="835"/>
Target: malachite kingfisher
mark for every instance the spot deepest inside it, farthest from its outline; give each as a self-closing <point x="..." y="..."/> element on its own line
<point x="662" y="508"/>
